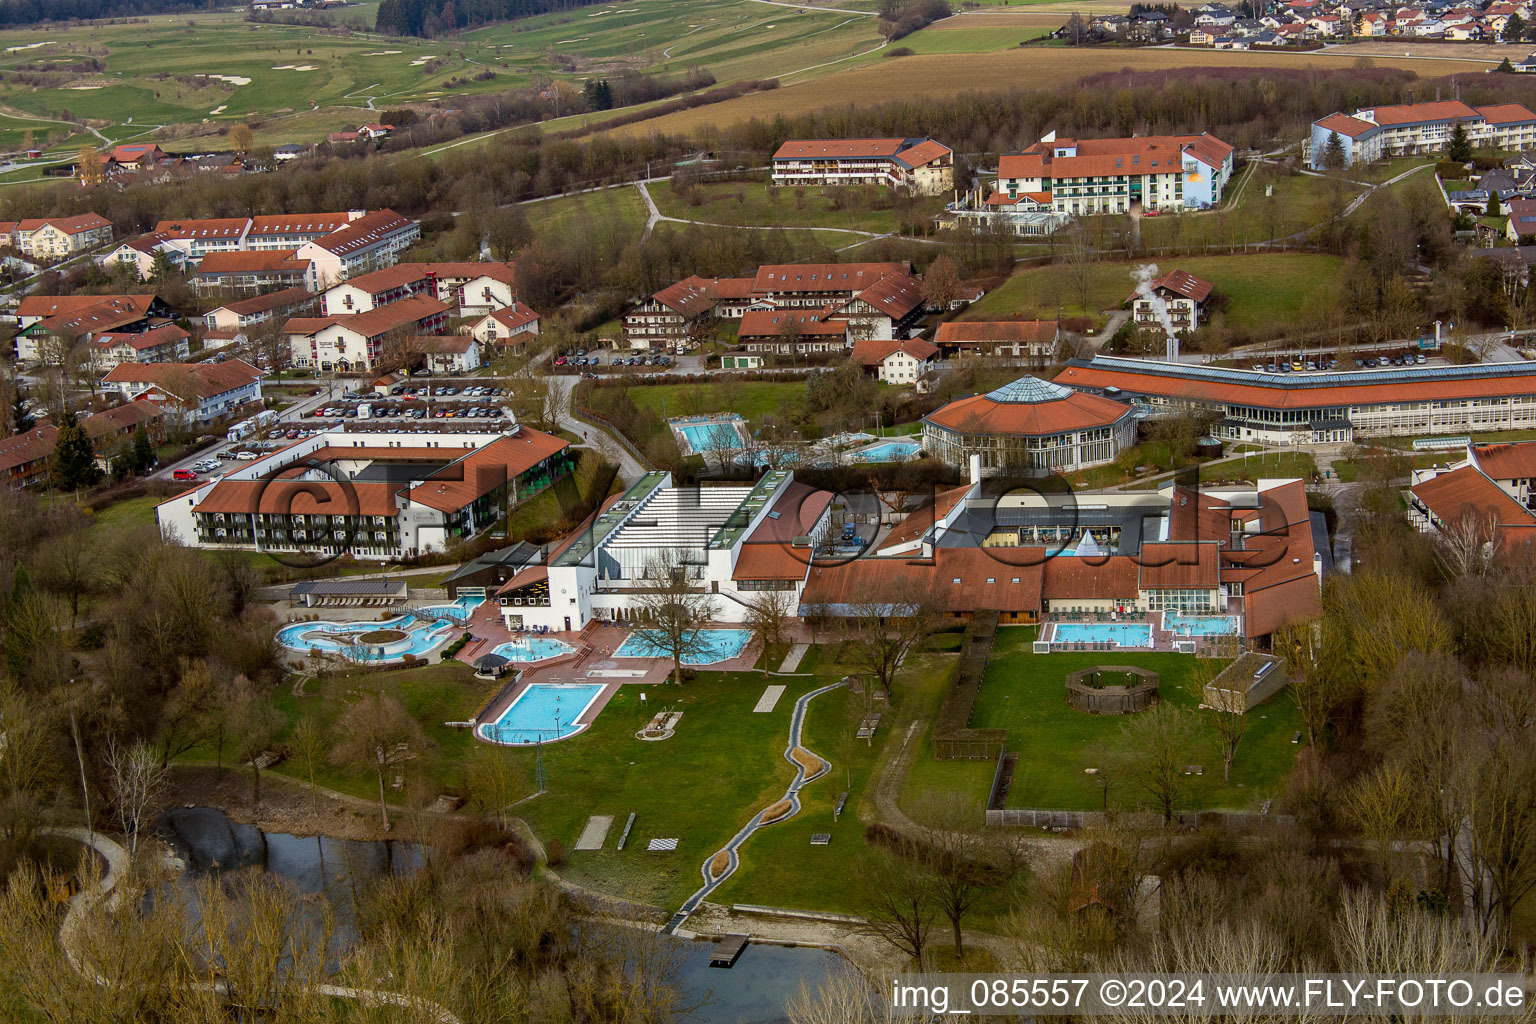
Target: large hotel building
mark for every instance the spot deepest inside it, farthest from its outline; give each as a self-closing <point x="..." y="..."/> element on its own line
<point x="1376" y="133"/>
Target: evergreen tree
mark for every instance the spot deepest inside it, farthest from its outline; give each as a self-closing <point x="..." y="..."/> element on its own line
<point x="74" y="459"/>
<point x="21" y="419"/>
<point x="1493" y="205"/>
<point x="1460" y="149"/>
<point x="143" y="457"/>
<point x="1505" y="66"/>
<point x="1334" y="158"/>
<point x="1514" y="28"/>
<point x="163" y="268"/>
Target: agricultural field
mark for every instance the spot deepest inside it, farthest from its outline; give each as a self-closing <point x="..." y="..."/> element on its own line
<point x="1265" y="288"/>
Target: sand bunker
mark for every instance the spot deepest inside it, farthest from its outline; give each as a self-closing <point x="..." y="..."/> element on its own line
<point x="27" y="46"/>
<point x="419" y="61"/>
<point x="231" y="79"/>
<point x="294" y="67"/>
<point x="84" y="88"/>
<point x="381" y="53"/>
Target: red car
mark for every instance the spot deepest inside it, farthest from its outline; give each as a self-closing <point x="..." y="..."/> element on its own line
<point x="183" y="474"/>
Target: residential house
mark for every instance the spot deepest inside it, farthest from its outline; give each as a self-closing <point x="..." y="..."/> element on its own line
<point x="513" y="325"/>
<point x="359" y="341"/>
<point x="1177" y="295"/>
<point x="375" y="131"/>
<point x="132" y="157"/>
<point x="164" y="344"/>
<point x="1029" y="341"/>
<point x="282" y="231"/>
<point x="899" y="362"/>
<point x="450" y="353"/>
<point x="57" y="238"/>
<point x="198" y="238"/>
<point x="246" y="314"/>
<point x="189" y="392"/>
<point x="376" y="288"/>
<point x="914" y="166"/>
<point x="1377" y="133"/>
<point x="372" y="241"/>
<point x="795" y="332"/>
<point x="1521" y="224"/>
<point x="138" y="255"/>
<point x="25" y="459"/>
<point x="673" y="319"/>
<point x="250" y="273"/>
<point x="48" y="339"/>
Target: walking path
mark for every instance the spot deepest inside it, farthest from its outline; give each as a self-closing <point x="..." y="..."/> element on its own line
<point x="106" y="888"/>
<point x="794" y="657"/>
<point x="792" y="794"/>
<point x="657" y="217"/>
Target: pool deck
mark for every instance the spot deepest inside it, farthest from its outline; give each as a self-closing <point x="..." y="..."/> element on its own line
<point x="1162" y="639"/>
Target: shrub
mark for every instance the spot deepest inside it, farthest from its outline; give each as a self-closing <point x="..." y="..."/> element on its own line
<point x="554" y="853"/>
<point x="901" y="51"/>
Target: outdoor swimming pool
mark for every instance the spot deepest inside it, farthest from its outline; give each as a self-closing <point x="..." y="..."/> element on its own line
<point x="544" y="712"/>
<point x="1121" y="634"/>
<point x="721" y="644"/>
<point x="700" y="436"/>
<point x="460" y="609"/>
<point x="1200" y="625"/>
<point x="421" y="636"/>
<point x="534" y="648"/>
<point x="890" y="451"/>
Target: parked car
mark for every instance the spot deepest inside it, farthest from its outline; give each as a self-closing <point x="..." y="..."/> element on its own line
<point x="184" y="474"/>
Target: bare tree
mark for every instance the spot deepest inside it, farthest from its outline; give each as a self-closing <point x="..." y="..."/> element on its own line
<point x="253" y="724"/>
<point x="1466" y="542"/>
<point x="845" y="996"/>
<point x="898" y="901"/>
<point x="966" y="861"/>
<point x="1227" y="716"/>
<point x="1153" y="755"/>
<point x="880" y="631"/>
<point x="372" y="734"/>
<point x="770" y="616"/>
<point x="136" y="779"/>
<point x="1311" y="684"/>
<point x="493" y="781"/>
<point x="673" y="610"/>
<point x="941" y="285"/>
<point x="310" y="748"/>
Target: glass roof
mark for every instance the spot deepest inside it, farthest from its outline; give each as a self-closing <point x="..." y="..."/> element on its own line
<point x="1029" y="391"/>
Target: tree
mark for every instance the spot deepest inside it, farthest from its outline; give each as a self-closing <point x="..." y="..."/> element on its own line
<point x="790" y="333"/>
<point x="966" y="861"/>
<point x="21" y="417"/>
<point x="136" y="779"/>
<point x="373" y="733"/>
<point x="770" y="616"/>
<point x="941" y="285"/>
<point x="493" y="780"/>
<point x="143" y="457"/>
<point x="880" y="631"/>
<point x="66" y="565"/>
<point x="899" y="903"/>
<point x="1514" y="29"/>
<point x="241" y="138"/>
<point x="1492" y="209"/>
<point x="1153" y="754"/>
<point x="1334" y="157"/>
<point x="74" y="458"/>
<point x="310" y="748"/>
<point x="93" y="169"/>
<point x="1226" y="716"/>
<point x="672" y="612"/>
<point x="1309" y="682"/>
<point x="253" y="723"/>
<point x="1459" y="150"/>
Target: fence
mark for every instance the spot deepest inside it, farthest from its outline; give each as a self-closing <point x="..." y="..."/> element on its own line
<point x="1235" y="821"/>
<point x="953" y="738"/>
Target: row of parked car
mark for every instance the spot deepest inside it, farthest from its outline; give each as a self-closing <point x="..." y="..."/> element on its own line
<point x="1299" y="365"/>
<point x="585" y="360"/>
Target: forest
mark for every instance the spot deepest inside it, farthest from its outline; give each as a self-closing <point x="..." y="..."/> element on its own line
<point x="16" y="13"/>
<point x="430" y="18"/>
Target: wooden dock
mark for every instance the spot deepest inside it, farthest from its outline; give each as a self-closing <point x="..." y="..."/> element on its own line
<point x="728" y="950"/>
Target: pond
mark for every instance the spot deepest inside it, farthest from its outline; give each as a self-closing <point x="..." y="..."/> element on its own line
<point x="754" y="991"/>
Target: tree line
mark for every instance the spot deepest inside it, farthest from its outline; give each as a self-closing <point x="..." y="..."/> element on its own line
<point x="430" y="18"/>
<point x="16" y="13"/>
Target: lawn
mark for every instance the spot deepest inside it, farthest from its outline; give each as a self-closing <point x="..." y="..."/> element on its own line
<point x="557" y="510"/>
<point x="1265" y="289"/>
<point x="753" y="400"/>
<point x="763" y="205"/>
<point x="1024" y="693"/>
<point x="615" y="210"/>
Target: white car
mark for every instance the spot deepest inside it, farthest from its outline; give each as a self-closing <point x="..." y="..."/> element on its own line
<point x="247" y="456"/>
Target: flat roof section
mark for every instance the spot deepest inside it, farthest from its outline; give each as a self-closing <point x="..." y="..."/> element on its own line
<point x="612" y="518"/>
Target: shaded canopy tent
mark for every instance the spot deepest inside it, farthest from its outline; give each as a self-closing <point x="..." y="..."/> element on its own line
<point x="491" y="665"/>
<point x="318" y="593"/>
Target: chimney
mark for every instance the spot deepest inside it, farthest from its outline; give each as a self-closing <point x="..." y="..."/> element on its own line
<point x="1173" y="348"/>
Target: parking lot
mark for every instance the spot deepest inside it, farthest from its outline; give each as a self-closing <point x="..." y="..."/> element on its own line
<point x="1321" y="364"/>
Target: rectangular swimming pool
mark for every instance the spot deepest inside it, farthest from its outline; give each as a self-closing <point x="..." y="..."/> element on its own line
<point x="890" y="451"/>
<point x="700" y="436"/>
<point x="1121" y="634"/>
<point x="713" y="645"/>
<point x="544" y="712"/>
<point x="1200" y="625"/>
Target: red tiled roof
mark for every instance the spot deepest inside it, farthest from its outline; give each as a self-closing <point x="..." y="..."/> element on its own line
<point x="106" y="315"/>
<point x="873" y="353"/>
<point x="372" y="322"/>
<point x="965" y="332"/>
<point x="1464" y="491"/>
<point x="821" y="277"/>
<point x="768" y="323"/>
<point x="979" y="414"/>
<point x="800" y="506"/>
<point x="771" y="562"/>
<point x="895" y="295"/>
<point x="485" y="469"/>
<point x="121" y="419"/>
<point x="1090" y="578"/>
<point x="78" y="224"/>
<point x="363" y="232"/>
<point x="444" y="344"/>
<point x="300" y="497"/>
<point x="925" y="152"/>
<point x="22" y="449"/>
<point x="514" y="316"/>
<point x="1515" y="461"/>
<point x="832" y="149"/>
<point x="222" y="227"/>
<point x="1181" y="565"/>
<point x="497" y="270"/>
<point x="688" y="298"/>
<point x="1180" y="282"/>
<point x="386" y="279"/>
<point x="162" y="335"/>
<point x="298" y="223"/>
<point x="1417" y="113"/>
<point x="52" y="305"/>
<point x="204" y="379"/>
<point x="1098" y="157"/>
<point x="1506" y="113"/>
<point x="271" y="300"/>
<point x="1014" y="588"/>
<point x="249" y="262"/>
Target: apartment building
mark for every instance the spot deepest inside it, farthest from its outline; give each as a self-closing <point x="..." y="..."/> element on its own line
<point x="1177" y="295"/>
<point x="371" y="241"/>
<point x="358" y="341"/>
<point x="239" y="317"/>
<point x="250" y="273"/>
<point x="1379" y="133"/>
<point x="57" y="238"/>
<point x="189" y="392"/>
<point x="673" y="318"/>
<point x="914" y="166"/>
<point x="900" y="362"/>
<point x="339" y="245"/>
<point x="1072" y="177"/>
<point x="1028" y="341"/>
<point x="1323" y="407"/>
<point x="164" y="344"/>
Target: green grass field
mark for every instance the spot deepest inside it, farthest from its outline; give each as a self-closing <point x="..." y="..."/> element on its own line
<point x="752" y="399"/>
<point x="1265" y="289"/>
<point x="610" y="210"/>
<point x="763" y="205"/>
<point x="1025" y="693"/>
